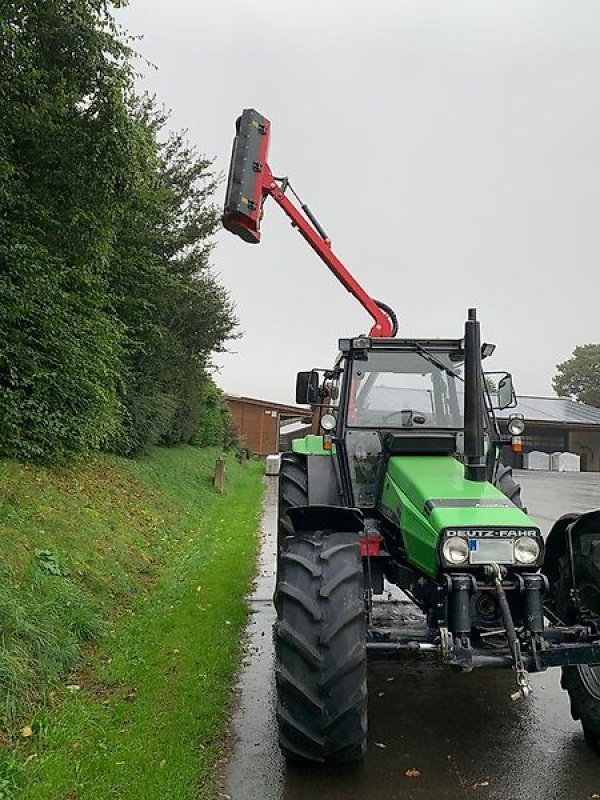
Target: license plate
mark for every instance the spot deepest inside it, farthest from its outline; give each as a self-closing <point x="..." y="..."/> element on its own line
<point x="491" y="551"/>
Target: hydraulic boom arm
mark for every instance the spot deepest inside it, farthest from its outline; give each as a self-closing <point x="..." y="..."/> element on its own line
<point x="251" y="181"/>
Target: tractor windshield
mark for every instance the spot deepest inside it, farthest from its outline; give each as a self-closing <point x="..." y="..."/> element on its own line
<point x="406" y="389"/>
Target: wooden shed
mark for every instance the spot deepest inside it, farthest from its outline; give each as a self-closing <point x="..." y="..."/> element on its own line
<point x="258" y="421"/>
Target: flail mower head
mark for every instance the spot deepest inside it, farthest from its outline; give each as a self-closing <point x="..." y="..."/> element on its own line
<point x="247" y="173"/>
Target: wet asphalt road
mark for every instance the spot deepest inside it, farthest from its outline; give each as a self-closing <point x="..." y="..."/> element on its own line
<point x="461" y="731"/>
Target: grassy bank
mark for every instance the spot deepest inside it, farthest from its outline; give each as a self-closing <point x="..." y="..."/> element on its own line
<point x="143" y="568"/>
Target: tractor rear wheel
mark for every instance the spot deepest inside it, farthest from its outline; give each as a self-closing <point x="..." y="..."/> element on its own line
<point x="320" y="646"/>
<point x="508" y="485"/>
<point x="582" y="682"/>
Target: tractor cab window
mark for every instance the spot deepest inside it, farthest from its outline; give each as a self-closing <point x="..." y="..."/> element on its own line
<point x="407" y="389"/>
<point x="399" y="390"/>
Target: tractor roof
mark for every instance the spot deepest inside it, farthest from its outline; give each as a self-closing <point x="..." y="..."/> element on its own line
<point x="372" y="343"/>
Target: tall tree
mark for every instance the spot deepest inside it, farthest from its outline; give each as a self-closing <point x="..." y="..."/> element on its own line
<point x="579" y="376"/>
<point x="62" y="157"/>
<point x="174" y="311"/>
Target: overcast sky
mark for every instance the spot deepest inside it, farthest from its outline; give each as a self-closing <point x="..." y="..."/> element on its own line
<point x="451" y="150"/>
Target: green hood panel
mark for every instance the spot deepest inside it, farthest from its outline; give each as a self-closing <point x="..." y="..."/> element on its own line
<point x="430" y="493"/>
<point x="311" y="445"/>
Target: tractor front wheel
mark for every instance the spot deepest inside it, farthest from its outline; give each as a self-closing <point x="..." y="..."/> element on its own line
<point x="582" y="682"/>
<point x="508" y="485"/>
<point x="320" y="645"/>
<point x="293" y="491"/>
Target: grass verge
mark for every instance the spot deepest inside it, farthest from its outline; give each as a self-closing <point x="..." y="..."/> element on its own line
<point x="156" y="568"/>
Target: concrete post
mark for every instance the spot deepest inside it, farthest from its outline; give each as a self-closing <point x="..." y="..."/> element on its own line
<point x="219" y="481"/>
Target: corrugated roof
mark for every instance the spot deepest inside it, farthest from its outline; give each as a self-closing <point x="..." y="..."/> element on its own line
<point x="559" y="410"/>
<point x="288" y="410"/>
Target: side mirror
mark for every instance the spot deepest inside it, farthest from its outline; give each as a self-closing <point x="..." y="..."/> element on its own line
<point x="501" y="389"/>
<point x="506" y="392"/>
<point x="307" y="388"/>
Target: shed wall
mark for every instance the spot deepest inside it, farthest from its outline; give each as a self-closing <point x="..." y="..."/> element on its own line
<point x="257" y="425"/>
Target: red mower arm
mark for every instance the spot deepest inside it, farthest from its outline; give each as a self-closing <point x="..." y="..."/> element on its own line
<point x="251" y="181"/>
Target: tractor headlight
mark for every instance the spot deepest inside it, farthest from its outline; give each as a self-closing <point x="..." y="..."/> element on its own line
<point x="527" y="550"/>
<point x="455" y="550"/>
<point x="328" y="422"/>
<point x="516" y="426"/>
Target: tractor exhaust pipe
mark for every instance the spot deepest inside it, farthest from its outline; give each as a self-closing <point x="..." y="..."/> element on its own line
<point x="474" y="447"/>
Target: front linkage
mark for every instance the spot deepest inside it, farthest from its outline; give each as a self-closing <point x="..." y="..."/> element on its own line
<point x="463" y="639"/>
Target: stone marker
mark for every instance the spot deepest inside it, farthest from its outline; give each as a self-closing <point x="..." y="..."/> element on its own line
<point x="219" y="481"/>
<point x="273" y="464"/>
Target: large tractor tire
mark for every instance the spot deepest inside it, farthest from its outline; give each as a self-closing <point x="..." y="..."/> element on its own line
<point x="508" y="485"/>
<point x="582" y="682"/>
<point x="320" y="645"/>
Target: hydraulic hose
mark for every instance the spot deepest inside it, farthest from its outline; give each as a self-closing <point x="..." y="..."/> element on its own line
<point x="391" y="314"/>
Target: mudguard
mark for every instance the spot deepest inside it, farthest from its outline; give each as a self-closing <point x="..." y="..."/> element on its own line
<point x="333" y="519"/>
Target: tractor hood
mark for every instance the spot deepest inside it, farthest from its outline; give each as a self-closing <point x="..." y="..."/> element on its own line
<point x="425" y="495"/>
<point x="436" y="485"/>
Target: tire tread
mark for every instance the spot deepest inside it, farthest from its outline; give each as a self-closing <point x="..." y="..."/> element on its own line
<point x="321" y="659"/>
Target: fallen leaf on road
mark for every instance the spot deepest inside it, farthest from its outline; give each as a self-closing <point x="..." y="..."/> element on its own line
<point x="412" y="772"/>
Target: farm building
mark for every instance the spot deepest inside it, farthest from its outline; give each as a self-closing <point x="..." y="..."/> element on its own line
<point x="557" y="424"/>
<point x="258" y="422"/>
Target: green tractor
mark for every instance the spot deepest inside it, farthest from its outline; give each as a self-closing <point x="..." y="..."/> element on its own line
<point x="404" y="484"/>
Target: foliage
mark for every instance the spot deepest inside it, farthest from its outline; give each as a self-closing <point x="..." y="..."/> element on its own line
<point x="177" y="314"/>
<point x="490" y="384"/>
<point x="158" y="563"/>
<point x="73" y="545"/>
<point x="61" y="162"/>
<point x="579" y="376"/>
<point x="110" y="310"/>
<point x="213" y="423"/>
<point x="12" y="776"/>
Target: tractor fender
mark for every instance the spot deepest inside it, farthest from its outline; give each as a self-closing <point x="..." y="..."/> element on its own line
<point x="333" y="519"/>
<point x="585" y="532"/>
<point x="323" y="484"/>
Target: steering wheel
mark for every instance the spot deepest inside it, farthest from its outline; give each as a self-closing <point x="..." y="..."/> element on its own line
<point x="416" y="417"/>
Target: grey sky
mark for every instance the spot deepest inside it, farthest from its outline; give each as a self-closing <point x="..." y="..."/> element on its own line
<point x="451" y="150"/>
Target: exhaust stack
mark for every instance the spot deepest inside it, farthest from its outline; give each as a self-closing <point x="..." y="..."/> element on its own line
<point x="474" y="445"/>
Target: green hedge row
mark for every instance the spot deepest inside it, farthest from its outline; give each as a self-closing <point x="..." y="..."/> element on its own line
<point x="109" y="311"/>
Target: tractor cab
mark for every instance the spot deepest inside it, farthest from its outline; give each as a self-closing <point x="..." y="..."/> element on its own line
<point x="385" y="390"/>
